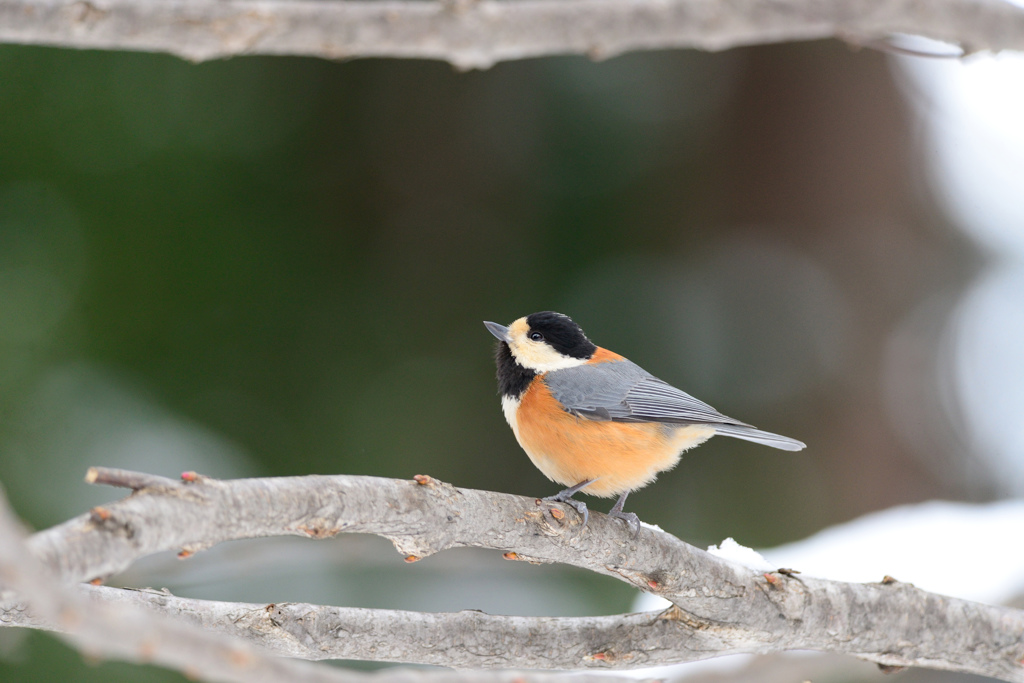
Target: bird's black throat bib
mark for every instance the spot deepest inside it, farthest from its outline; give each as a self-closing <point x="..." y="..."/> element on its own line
<point x="513" y="378"/>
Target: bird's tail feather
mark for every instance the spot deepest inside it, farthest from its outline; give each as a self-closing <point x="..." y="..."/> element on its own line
<point x="757" y="436"/>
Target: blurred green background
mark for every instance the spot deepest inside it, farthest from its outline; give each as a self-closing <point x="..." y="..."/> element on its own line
<point x="276" y="266"/>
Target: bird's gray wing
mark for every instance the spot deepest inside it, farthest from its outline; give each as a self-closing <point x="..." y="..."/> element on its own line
<point x="622" y="391"/>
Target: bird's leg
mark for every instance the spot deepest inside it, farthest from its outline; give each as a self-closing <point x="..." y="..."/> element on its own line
<point x="566" y="497"/>
<point x="629" y="517"/>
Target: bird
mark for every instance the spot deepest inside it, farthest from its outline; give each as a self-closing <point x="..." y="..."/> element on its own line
<point x="593" y="421"/>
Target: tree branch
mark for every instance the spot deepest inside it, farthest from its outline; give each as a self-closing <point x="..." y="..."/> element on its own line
<point x="126" y="630"/>
<point x="721" y="608"/>
<point x="460" y="639"/>
<point x="479" y="33"/>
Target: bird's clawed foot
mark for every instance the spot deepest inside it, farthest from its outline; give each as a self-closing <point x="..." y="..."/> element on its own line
<point x="580" y="507"/>
<point x="629" y="518"/>
<point x="566" y="497"/>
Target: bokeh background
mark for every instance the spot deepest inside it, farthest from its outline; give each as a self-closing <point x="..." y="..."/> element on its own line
<point x="277" y="266"/>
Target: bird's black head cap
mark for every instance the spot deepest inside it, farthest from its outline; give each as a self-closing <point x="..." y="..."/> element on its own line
<point x="564" y="335"/>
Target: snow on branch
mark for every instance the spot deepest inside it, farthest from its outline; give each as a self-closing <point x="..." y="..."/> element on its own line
<point x="479" y="33"/>
<point x="719" y="607"/>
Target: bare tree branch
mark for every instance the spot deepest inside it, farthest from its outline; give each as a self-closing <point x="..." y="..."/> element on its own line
<point x="721" y="608"/>
<point x="479" y="33"/>
<point x="129" y="631"/>
<point x="460" y="639"/>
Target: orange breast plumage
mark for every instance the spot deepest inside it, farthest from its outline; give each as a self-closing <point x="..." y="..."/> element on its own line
<point x="620" y="456"/>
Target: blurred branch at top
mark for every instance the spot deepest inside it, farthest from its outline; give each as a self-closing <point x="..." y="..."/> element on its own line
<point x="477" y="34"/>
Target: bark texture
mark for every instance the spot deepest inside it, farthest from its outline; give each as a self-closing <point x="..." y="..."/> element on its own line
<point x="116" y="629"/>
<point x="719" y="607"/>
<point x="479" y="33"/>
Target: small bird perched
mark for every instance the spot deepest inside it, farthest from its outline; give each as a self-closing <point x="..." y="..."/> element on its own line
<point x="590" y="419"/>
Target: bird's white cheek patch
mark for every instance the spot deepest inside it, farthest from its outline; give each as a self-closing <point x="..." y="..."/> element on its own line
<point x="540" y="357"/>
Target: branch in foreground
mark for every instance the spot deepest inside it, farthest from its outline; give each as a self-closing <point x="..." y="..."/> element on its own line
<point x="100" y="624"/>
<point x="479" y="33"/>
<point x="722" y="608"/>
<point x="457" y="639"/>
<point x="108" y="629"/>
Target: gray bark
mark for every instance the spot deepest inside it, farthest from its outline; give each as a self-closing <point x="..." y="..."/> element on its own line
<point x="479" y="33"/>
<point x="463" y="639"/>
<point x="118" y="629"/>
<point x="720" y="608"/>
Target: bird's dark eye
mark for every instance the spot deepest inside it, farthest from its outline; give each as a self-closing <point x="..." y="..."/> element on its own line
<point x="536" y="336"/>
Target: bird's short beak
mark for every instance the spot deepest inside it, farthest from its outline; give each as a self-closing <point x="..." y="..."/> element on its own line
<point x="499" y="331"/>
